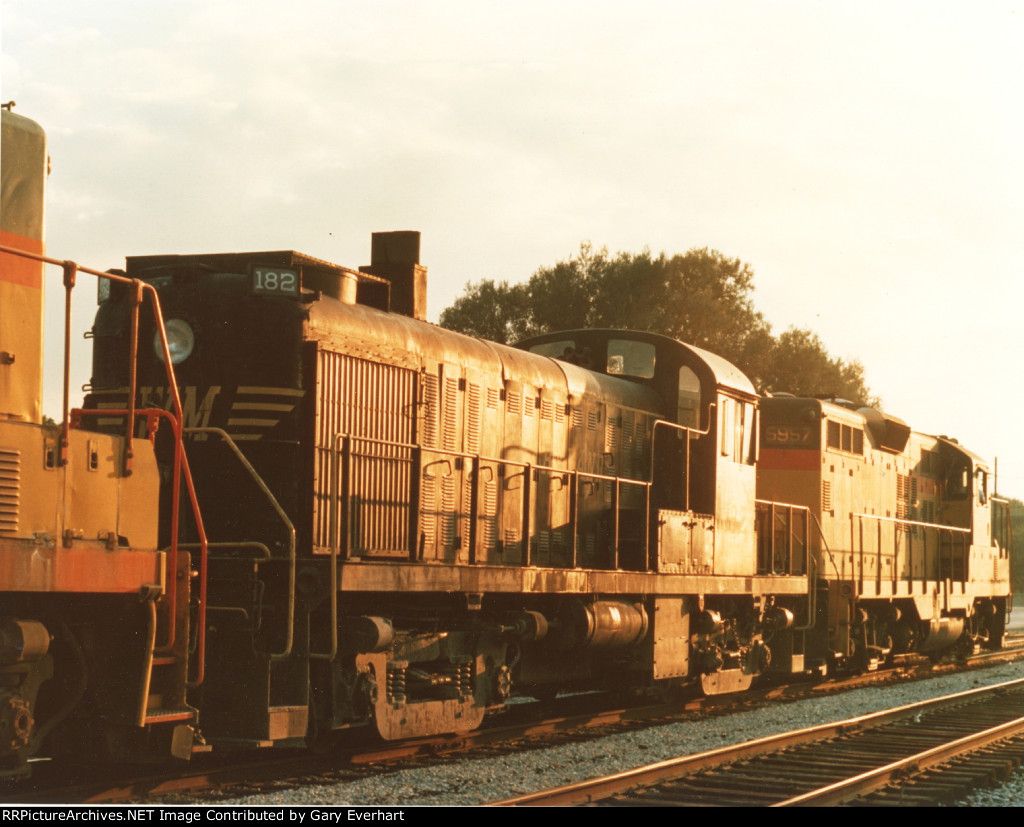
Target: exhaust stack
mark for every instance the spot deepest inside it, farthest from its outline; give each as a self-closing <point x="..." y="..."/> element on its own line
<point x="395" y="256"/>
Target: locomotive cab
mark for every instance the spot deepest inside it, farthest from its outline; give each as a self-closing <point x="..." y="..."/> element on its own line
<point x="705" y="522"/>
<point x="705" y="445"/>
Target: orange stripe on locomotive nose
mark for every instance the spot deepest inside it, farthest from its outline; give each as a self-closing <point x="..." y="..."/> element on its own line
<point x="789" y="459"/>
<point x="18" y="270"/>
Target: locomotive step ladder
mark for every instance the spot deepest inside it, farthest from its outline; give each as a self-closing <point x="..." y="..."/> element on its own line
<point x="167" y="663"/>
<point x="163" y="700"/>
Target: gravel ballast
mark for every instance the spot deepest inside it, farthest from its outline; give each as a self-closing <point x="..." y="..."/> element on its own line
<point x="474" y="781"/>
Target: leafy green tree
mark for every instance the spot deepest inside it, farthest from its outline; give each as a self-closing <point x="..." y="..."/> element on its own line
<point x="701" y="297"/>
<point x="496" y="312"/>
<point x="800" y="364"/>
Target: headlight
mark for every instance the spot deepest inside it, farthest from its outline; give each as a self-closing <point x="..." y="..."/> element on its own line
<point x="180" y="341"/>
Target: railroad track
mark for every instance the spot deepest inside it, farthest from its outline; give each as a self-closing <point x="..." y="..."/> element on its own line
<point x="921" y="753"/>
<point x="586" y="717"/>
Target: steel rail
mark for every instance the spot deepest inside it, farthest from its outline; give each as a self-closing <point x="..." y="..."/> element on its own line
<point x="594" y="789"/>
<point x="897" y="770"/>
<point x="507" y="734"/>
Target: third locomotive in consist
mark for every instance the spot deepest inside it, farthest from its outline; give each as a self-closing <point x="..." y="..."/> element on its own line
<point x="408" y="527"/>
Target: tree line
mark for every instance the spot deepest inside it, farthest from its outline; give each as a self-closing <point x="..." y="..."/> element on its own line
<point x="700" y="297"/>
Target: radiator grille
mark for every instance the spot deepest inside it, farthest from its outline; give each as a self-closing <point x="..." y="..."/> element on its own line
<point x="10" y="489"/>
<point x="377" y="402"/>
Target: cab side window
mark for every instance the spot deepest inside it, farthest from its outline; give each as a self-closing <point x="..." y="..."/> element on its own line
<point x="630" y="358"/>
<point x="737" y="430"/>
<point x="689" y="398"/>
<point x="981" y="486"/>
<point x="841" y="437"/>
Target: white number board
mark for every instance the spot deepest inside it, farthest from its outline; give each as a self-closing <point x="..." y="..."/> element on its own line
<point x="275" y="281"/>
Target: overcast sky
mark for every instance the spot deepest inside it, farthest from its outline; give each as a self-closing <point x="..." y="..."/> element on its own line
<point x="865" y="158"/>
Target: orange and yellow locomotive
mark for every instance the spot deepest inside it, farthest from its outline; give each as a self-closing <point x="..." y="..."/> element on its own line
<point x="89" y="602"/>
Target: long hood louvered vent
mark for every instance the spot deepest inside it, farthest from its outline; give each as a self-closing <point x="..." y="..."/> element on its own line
<point x="10" y="489"/>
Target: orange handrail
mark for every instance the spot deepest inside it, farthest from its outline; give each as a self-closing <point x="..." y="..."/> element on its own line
<point x="139" y="290"/>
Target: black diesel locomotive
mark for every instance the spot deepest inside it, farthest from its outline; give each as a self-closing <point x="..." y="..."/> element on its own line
<point x="408" y="527"/>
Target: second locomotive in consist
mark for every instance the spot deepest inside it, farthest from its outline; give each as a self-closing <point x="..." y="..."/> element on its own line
<point x="409" y="526"/>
